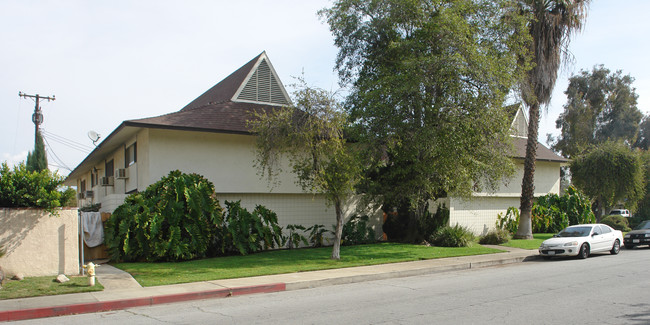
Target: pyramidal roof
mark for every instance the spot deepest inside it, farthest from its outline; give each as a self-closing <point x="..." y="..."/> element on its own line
<point x="228" y="105"/>
<point x="255" y="82"/>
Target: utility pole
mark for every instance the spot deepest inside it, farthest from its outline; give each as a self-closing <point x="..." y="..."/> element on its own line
<point x="37" y="117"/>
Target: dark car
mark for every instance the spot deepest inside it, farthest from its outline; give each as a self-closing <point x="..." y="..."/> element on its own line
<point x="639" y="236"/>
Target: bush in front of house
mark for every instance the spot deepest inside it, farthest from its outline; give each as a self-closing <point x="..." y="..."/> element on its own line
<point x="244" y="232"/>
<point x="174" y="219"/>
<point x="552" y="213"/>
<point x="452" y="236"/>
<point x="495" y="237"/>
<point x="357" y="231"/>
<point x="21" y="188"/>
<point x="617" y="222"/>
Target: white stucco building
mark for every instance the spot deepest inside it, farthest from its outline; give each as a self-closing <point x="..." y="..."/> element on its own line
<point x="209" y="136"/>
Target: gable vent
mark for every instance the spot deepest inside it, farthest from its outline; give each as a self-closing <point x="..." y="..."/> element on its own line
<point x="263" y="87"/>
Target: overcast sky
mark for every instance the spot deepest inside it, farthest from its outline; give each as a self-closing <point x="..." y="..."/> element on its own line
<point x="110" y="61"/>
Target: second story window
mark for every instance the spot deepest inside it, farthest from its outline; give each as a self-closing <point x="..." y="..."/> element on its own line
<point x="130" y="155"/>
<point x="82" y="186"/>
<point x="109" y="168"/>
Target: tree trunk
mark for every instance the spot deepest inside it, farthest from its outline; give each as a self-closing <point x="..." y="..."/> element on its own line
<point x="336" y="249"/>
<point x="525" y="229"/>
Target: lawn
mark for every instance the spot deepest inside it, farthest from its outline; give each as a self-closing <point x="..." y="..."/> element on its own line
<point x="288" y="261"/>
<point x="45" y="286"/>
<point x="529" y="243"/>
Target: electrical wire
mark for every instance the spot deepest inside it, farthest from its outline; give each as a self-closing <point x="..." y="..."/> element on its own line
<point x="67" y="142"/>
<point x="56" y="158"/>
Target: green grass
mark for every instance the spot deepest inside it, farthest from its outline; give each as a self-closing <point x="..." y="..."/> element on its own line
<point x="528" y="243"/>
<point x="288" y="261"/>
<point x="45" y="286"/>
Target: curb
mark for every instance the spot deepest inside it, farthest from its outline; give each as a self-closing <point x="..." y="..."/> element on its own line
<point x="94" y="307"/>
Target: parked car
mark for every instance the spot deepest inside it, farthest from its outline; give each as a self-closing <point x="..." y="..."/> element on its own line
<point x="639" y="236"/>
<point x="620" y="212"/>
<point x="582" y="240"/>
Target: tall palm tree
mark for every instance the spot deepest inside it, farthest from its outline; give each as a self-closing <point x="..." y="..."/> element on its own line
<point x="551" y="27"/>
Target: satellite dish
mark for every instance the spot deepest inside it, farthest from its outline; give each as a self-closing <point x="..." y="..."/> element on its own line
<point x="93" y="136"/>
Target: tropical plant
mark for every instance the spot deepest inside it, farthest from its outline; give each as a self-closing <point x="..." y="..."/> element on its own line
<point x="509" y="221"/>
<point x="316" y="235"/>
<point x="176" y="218"/>
<point x="357" y="231"/>
<point x="452" y="236"/>
<point x="429" y="223"/>
<point x="295" y="237"/>
<point x="20" y="187"/>
<point x="244" y="232"/>
<point x="550" y="26"/>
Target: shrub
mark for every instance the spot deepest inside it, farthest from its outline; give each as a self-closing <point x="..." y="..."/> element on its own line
<point x="22" y="188"/>
<point x="552" y="213"/>
<point x="316" y="235"/>
<point x="510" y="221"/>
<point x="495" y="237"/>
<point x="357" y="231"/>
<point x="452" y="236"/>
<point x="617" y="222"/>
<point x="295" y="238"/>
<point x="245" y="232"/>
<point x="174" y="219"/>
<point x="429" y="223"/>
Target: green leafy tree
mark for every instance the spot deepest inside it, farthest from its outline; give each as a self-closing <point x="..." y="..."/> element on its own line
<point x="427" y="82"/>
<point x="609" y="173"/>
<point x="643" y="208"/>
<point x="550" y="26"/>
<point x="37" y="159"/>
<point x="601" y="106"/>
<point x="643" y="140"/>
<point x="310" y="135"/>
<point x="20" y="187"/>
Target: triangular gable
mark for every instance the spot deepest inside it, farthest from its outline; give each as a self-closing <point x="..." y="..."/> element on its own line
<point x="262" y="85"/>
<point x="519" y="126"/>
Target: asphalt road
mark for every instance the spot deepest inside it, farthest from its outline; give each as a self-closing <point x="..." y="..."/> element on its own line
<point x="603" y="289"/>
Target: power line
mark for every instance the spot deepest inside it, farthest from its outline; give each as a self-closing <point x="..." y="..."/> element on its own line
<point x="56" y="158"/>
<point x="67" y="142"/>
<point x="37" y="117"/>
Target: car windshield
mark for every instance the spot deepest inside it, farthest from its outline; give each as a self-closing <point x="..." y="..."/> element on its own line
<point x="643" y="225"/>
<point x="575" y="232"/>
<point x="615" y="212"/>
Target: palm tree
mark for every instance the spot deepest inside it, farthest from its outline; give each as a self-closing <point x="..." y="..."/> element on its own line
<point x="551" y="25"/>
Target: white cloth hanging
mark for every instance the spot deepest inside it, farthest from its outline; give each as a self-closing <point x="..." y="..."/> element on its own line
<point x="93" y="228"/>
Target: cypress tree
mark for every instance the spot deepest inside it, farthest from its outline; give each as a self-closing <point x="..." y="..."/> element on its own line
<point x="37" y="159"/>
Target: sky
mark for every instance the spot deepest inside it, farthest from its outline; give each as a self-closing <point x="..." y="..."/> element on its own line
<point x="110" y="61"/>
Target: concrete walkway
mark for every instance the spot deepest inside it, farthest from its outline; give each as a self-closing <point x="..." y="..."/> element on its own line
<point x="121" y="291"/>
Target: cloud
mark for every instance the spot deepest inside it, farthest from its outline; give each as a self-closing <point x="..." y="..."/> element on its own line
<point x="14" y="159"/>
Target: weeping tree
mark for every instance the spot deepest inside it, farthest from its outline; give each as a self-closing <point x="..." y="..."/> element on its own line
<point x="551" y="25"/>
<point x="309" y="135"/>
<point x="428" y="80"/>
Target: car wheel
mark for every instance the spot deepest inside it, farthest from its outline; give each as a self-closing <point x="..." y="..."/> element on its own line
<point x="629" y="246"/>
<point x="616" y="247"/>
<point x="584" y="251"/>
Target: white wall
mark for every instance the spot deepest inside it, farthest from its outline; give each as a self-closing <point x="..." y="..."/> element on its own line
<point x="225" y="159"/>
<point x="38" y="243"/>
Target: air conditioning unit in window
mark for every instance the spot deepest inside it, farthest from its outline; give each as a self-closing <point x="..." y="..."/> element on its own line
<point x="89" y="194"/>
<point x="106" y="181"/>
<point x="121" y="173"/>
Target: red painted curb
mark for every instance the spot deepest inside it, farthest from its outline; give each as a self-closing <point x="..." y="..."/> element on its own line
<point x="94" y="307"/>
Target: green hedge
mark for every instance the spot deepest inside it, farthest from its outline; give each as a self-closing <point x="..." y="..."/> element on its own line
<point x="22" y="188"/>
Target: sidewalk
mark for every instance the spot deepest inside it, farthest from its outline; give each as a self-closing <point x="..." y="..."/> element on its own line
<point x="121" y="291"/>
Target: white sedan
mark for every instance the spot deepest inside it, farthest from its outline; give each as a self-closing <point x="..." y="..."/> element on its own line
<point x="582" y="240"/>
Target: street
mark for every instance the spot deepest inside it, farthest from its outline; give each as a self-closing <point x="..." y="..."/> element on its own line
<point x="603" y="289"/>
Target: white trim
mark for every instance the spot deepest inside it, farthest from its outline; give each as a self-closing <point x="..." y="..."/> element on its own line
<point x="262" y="57"/>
